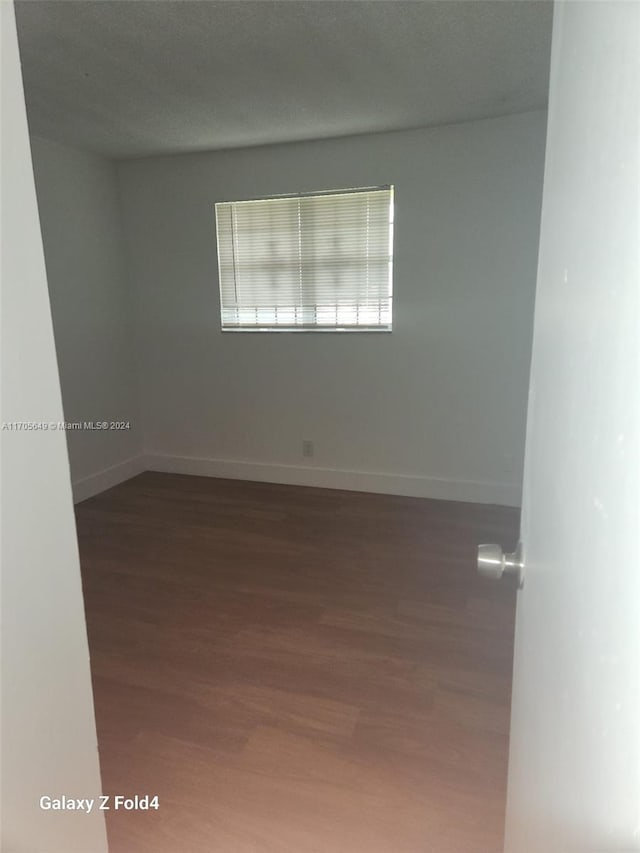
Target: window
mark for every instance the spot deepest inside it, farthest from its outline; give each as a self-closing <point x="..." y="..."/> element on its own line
<point x="319" y="262"/>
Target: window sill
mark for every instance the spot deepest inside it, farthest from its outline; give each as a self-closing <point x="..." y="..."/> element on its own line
<point x="359" y="330"/>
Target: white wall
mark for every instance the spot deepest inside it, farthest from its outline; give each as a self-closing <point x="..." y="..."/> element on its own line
<point x="574" y="767"/>
<point x="92" y="310"/>
<point x="48" y="730"/>
<point x="438" y="407"/>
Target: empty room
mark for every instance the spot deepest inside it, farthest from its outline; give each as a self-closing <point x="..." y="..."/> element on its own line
<point x="318" y="426"/>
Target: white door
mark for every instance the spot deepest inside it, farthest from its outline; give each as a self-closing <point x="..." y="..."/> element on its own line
<point x="49" y="744"/>
<point x="574" y="772"/>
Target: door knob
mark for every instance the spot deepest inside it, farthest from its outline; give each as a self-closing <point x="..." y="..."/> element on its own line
<point x="493" y="563"/>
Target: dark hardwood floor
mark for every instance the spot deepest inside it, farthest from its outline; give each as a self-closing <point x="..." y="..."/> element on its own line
<point x="296" y="670"/>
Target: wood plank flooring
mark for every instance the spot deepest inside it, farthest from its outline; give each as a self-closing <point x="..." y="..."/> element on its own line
<point x="296" y="670"/>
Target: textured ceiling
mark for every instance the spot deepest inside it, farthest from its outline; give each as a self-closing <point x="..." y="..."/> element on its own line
<point x="162" y="76"/>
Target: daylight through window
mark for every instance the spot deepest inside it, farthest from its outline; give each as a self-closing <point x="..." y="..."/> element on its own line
<point x="319" y="262"/>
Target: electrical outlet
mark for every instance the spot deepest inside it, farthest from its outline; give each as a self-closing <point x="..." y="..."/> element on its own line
<point x="307" y="448"/>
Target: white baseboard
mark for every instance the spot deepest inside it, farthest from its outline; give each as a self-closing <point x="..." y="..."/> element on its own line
<point x="504" y="494"/>
<point x="87" y="487"/>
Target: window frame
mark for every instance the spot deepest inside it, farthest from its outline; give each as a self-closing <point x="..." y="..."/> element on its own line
<point x="313" y="329"/>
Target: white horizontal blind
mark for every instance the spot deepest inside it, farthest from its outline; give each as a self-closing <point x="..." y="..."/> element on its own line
<point x="307" y="262"/>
